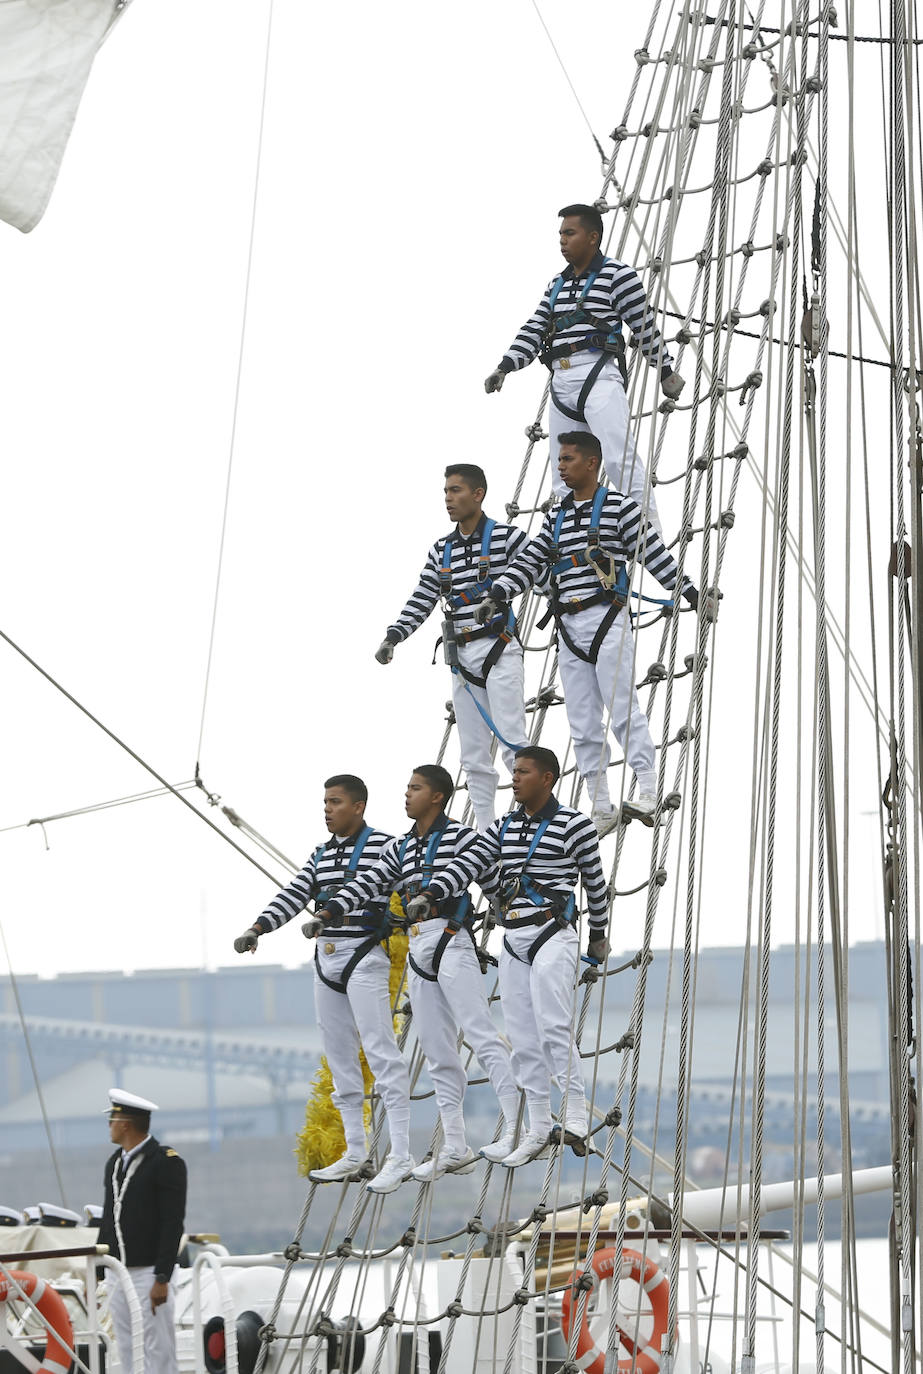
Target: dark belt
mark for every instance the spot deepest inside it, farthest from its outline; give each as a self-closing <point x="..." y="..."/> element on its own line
<point x="542" y="914"/>
<point x="357" y="922"/>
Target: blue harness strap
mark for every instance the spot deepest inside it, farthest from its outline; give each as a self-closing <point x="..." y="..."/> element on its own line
<point x="458" y="920"/>
<point x="581" y="558"/>
<point x="526" y="886"/>
<point x="352" y="866"/>
<point x="483" y="712"/>
<point x="365" y="946"/>
<point x="484" y="580"/>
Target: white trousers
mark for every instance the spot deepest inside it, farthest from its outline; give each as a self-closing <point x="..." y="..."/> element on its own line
<point x="159" y="1332"/>
<point x="362" y="1014"/>
<point x="502" y="699"/>
<point x="458" y="1001"/>
<point x="539" y="1007"/>
<point x="592" y="690"/>
<point x="608" y="417"/>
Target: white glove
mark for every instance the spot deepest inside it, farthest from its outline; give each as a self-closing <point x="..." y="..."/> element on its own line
<point x="494" y="381"/>
<point x="246" y="943"/>
<point x="385" y="651"/>
<point x="672" y="386"/>
<point x="312" y="928"/>
<point x="419" y="907"/>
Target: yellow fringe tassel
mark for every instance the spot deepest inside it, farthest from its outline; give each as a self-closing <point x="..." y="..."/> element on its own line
<point x="322" y="1139"/>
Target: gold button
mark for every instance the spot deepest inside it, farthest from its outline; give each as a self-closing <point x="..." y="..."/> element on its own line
<point x="415" y="930"/>
<point x="330" y="947"/>
<point x="565" y="362"/>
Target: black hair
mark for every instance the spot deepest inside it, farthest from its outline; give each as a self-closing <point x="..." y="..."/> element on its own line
<point x="470" y="473"/>
<point x="354" y="787"/>
<point x="438" y="779"/>
<point x="546" y="759"/>
<point x="590" y="218"/>
<point x="586" y="442"/>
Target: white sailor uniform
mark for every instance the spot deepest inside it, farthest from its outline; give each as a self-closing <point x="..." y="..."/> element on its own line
<point x="596" y="648"/>
<point x="609" y="292"/>
<point x="487" y="677"/>
<point x="533" y="863"/>
<point x="351" y="996"/>
<point x="444" y="980"/>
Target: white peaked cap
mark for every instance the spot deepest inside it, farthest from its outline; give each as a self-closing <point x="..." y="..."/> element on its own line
<point x="50" y="1211"/>
<point x="121" y="1101"/>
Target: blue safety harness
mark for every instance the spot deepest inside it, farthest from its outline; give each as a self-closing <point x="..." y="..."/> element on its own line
<point x="615" y="596"/>
<point x="501" y="628"/>
<point x="556" y="911"/>
<point x="607" y="339"/>
<point x="455" y="910"/>
<point x="366" y="942"/>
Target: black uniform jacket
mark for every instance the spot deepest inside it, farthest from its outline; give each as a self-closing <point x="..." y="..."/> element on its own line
<point x="153" y="1209"/>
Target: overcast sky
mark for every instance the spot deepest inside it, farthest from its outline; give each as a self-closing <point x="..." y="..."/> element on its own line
<point x="414" y="159"/>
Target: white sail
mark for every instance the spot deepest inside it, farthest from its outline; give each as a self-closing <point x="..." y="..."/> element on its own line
<point x="47" y="48"/>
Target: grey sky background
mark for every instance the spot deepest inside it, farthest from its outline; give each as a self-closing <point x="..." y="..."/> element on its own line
<point x="414" y="160"/>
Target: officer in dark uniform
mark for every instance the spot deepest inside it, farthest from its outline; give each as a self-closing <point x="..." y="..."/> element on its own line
<point x="142" y="1224"/>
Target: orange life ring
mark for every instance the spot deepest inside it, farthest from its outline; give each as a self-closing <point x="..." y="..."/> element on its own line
<point x="57" y="1358"/>
<point x="645" y="1359"/>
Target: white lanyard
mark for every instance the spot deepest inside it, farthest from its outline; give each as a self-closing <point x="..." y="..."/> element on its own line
<point x="118" y="1192"/>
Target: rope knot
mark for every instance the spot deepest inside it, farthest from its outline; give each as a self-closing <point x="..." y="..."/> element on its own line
<point x="597" y="1199"/>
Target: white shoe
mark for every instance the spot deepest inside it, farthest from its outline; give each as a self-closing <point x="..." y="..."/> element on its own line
<point x="534" y="1145"/>
<point x="392" y="1174"/>
<point x="445" y="1162"/>
<point x="641" y="809"/>
<point x="346" y="1167"/>
<point x="605" y="821"/>
<point x="498" y="1150"/>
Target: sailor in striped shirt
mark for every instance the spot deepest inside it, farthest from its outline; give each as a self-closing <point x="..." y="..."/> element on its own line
<point x="582" y="545"/>
<point x="486" y="660"/>
<point x="351" y="973"/>
<point x="444" y="977"/>
<point x="532" y="859"/>
<point x="577" y="331"/>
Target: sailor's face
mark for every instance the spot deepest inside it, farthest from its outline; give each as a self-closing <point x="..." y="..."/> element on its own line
<point x="342" y="814"/>
<point x="460" y="500"/>
<point x="577" y="244"/>
<point x="576" y="468"/>
<point x="418" y="798"/>
<point x="116" y="1129"/>
<point x="529" y="782"/>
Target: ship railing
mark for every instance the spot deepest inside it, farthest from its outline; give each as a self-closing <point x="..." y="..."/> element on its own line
<point x="95" y="1256"/>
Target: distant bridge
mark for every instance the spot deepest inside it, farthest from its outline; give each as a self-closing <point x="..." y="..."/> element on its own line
<point x="179" y="1049"/>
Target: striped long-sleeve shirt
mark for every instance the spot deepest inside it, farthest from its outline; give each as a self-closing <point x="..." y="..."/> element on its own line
<point x="568" y="848"/>
<point x="616" y="295"/>
<point x="326" y="869"/>
<point x="506" y="541"/>
<point x="407" y="865"/>
<point x="619" y="523"/>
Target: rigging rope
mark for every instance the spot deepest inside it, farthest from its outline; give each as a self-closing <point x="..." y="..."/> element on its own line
<point x="232" y="442"/>
<point x="167" y="786"/>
